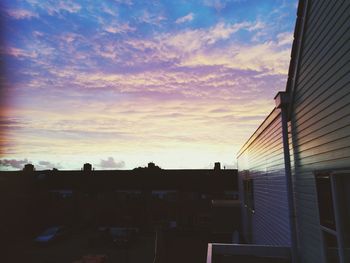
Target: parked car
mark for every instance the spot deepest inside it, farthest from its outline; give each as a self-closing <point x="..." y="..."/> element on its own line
<point x="51" y="234"/>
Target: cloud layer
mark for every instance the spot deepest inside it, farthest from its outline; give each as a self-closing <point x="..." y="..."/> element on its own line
<point x="181" y="84"/>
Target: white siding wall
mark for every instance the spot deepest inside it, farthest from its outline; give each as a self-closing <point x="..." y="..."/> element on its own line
<point x="320" y="116"/>
<point x="262" y="159"/>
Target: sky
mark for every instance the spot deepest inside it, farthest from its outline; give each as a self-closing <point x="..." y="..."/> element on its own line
<point x="120" y="83"/>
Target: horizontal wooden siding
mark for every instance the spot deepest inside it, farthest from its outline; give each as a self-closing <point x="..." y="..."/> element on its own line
<point x="261" y="159"/>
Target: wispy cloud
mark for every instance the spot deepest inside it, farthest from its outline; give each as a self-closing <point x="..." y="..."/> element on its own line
<point x="19" y="53"/>
<point x="285" y="38"/>
<point x="56" y="7"/>
<point x="187" y="18"/>
<point x="119" y="28"/>
<point x="266" y="58"/>
<point x="110" y="163"/>
<point x="150" y="18"/>
<point x="126" y="2"/>
<point x="219" y="4"/>
<point x="135" y="79"/>
<point x="22" y="14"/>
<point x="191" y="40"/>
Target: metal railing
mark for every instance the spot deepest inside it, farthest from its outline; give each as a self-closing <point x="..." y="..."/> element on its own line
<point x="262" y="251"/>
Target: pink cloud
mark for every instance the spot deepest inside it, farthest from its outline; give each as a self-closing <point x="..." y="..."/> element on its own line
<point x="119" y="28"/>
<point x="22" y="14"/>
<point x="19" y="53"/>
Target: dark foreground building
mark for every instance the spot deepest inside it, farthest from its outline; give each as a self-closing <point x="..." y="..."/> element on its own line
<point x="147" y="199"/>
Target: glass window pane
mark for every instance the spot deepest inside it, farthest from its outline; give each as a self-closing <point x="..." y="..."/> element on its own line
<point x="325" y="201"/>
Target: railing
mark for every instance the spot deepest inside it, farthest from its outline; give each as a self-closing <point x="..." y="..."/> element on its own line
<point x="262" y="251"/>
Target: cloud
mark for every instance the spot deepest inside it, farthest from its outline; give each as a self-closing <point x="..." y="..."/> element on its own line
<point x="47" y="165"/>
<point x="68" y="6"/>
<point x="9" y="123"/>
<point x="119" y="28"/>
<point x="56" y="7"/>
<point x="13" y="163"/>
<point x="126" y="2"/>
<point x="70" y="37"/>
<point x="19" y="53"/>
<point x="111" y="163"/>
<point x="191" y="40"/>
<point x="267" y="58"/>
<point x="285" y="38"/>
<point x="22" y="14"/>
<point x="169" y="90"/>
<point x="110" y="11"/>
<point x="153" y="19"/>
<point x="186" y="18"/>
<point x="219" y="4"/>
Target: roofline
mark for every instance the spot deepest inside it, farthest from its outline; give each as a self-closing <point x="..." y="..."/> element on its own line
<point x="122" y="170"/>
<point x="271" y="117"/>
<point x="296" y="51"/>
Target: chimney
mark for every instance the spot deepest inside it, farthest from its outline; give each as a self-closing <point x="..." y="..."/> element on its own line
<point x="28" y="168"/>
<point x="151" y="165"/>
<point x="87" y="167"/>
<point x="217" y="166"/>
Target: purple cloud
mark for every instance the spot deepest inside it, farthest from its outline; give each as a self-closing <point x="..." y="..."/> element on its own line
<point x="13" y="163"/>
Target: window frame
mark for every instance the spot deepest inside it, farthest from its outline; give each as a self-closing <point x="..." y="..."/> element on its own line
<point x="335" y="177"/>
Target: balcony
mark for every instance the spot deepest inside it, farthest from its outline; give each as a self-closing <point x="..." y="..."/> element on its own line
<point x="246" y="253"/>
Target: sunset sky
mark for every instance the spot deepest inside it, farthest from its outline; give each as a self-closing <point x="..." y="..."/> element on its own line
<point x="120" y="83"/>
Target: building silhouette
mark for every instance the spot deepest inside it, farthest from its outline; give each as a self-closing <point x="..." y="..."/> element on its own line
<point x="145" y="198"/>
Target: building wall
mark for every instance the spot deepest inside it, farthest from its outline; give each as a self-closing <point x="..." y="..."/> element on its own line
<point x="320" y="113"/>
<point x="261" y="159"/>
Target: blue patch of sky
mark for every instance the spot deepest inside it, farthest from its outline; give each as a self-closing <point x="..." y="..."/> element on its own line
<point x="87" y="21"/>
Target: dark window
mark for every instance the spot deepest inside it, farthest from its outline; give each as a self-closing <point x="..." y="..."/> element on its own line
<point x="325" y="201"/>
<point x="249" y="194"/>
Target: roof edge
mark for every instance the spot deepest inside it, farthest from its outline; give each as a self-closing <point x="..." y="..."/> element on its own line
<point x="296" y="51"/>
<point x="270" y="118"/>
